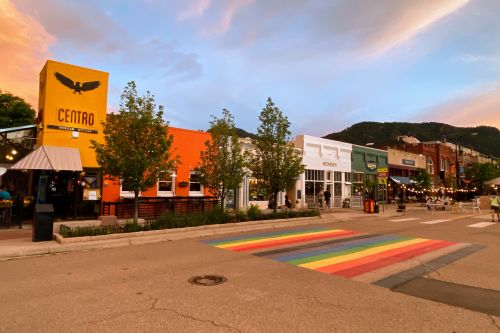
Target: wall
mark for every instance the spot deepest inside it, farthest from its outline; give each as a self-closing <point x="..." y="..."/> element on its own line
<point x="368" y="160"/>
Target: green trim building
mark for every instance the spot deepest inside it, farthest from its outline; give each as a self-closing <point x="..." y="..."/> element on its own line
<point x="366" y="164"/>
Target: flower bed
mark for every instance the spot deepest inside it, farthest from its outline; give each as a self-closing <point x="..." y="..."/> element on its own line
<point x="193" y="220"/>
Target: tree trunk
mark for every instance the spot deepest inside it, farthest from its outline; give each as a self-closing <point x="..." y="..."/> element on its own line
<point x="275" y="201"/>
<point x="136" y="207"/>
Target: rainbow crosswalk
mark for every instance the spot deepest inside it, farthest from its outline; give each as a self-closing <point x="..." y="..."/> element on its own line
<point x="380" y="259"/>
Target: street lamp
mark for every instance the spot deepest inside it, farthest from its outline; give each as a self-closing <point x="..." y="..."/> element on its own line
<point x="457" y="166"/>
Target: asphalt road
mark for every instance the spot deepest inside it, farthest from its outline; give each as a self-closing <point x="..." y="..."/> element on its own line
<point x="145" y="288"/>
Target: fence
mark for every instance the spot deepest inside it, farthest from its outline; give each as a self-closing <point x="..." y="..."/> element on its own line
<point x="356" y="201"/>
<point x="152" y="207"/>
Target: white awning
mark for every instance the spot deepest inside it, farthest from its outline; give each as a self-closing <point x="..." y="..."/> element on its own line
<point x="51" y="158"/>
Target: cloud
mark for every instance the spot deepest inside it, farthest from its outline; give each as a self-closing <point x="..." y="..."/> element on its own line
<point x="195" y="9"/>
<point x="377" y="26"/>
<point x="25" y="47"/>
<point x="473" y="109"/>
<point x="84" y="29"/>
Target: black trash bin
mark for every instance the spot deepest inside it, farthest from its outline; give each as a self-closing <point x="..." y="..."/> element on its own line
<point x="43" y="222"/>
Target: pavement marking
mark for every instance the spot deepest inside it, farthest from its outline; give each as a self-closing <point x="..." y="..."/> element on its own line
<point x="435" y="221"/>
<point x="481" y="225"/>
<point x="406" y="219"/>
<point x="468" y="297"/>
<point x="385" y="260"/>
<point x="484" y="216"/>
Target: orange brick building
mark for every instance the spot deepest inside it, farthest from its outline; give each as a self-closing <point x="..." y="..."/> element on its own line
<point x="187" y="145"/>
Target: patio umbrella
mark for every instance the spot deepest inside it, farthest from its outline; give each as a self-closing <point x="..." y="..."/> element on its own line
<point x="494" y="181"/>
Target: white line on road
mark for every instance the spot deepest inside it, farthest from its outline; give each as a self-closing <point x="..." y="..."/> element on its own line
<point x="484" y="216"/>
<point x="435" y="221"/>
<point x="402" y="220"/>
<point x="481" y="224"/>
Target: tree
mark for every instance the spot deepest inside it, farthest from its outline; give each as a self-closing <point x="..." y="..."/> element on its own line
<point x="136" y="145"/>
<point x="422" y="180"/>
<point x="222" y="163"/>
<point x="14" y="111"/>
<point x="275" y="163"/>
<point x="478" y="173"/>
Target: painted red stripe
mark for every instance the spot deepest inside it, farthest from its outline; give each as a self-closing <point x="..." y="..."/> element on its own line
<point x="261" y="245"/>
<point x="334" y="268"/>
<point x="392" y="259"/>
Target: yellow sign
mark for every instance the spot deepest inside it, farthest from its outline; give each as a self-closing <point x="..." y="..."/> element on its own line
<point x="72" y="104"/>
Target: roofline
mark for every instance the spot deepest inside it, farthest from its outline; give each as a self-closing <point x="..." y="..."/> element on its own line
<point x="19" y="128"/>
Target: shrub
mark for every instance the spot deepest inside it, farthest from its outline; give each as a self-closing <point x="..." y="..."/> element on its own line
<point x="254" y="213"/>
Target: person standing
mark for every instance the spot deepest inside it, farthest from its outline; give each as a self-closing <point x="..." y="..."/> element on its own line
<point x="327" y="195"/>
<point x="495" y="206"/>
<point x="321" y="193"/>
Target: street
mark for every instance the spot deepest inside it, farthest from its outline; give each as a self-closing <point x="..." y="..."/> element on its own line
<point x="146" y="288"/>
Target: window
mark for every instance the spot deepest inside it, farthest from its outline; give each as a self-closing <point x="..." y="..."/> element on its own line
<point x="194" y="183"/>
<point x="430" y="166"/>
<point x="348" y="177"/>
<point x="314" y="184"/>
<point x="166" y="183"/>
<point x="337" y="176"/>
<point x="357" y="177"/>
<point x="125" y="192"/>
<point x="255" y="190"/>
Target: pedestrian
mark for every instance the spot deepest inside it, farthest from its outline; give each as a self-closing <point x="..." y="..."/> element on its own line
<point x="288" y="204"/>
<point x="327" y="196"/>
<point x="495" y="206"/>
<point x="321" y="193"/>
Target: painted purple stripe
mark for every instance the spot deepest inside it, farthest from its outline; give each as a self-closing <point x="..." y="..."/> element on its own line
<point x="338" y="248"/>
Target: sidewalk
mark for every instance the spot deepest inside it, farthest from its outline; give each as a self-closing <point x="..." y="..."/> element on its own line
<point x="15" y="243"/>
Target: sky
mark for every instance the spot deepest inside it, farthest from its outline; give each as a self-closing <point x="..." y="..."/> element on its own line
<point x="326" y="64"/>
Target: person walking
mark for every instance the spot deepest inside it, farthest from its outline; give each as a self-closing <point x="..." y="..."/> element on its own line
<point x="327" y="196"/>
<point x="495" y="206"/>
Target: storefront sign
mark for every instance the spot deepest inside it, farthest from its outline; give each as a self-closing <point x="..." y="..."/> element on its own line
<point x="72" y="129"/>
<point x="72" y="107"/>
<point x="330" y="164"/>
<point x="372" y="166"/>
<point x="408" y="162"/>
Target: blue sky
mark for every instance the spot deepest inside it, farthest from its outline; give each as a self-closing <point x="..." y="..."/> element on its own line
<point x="326" y="64"/>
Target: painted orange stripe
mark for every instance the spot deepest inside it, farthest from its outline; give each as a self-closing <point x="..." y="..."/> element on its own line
<point x="375" y="256"/>
<point x="267" y="244"/>
<point x="383" y="262"/>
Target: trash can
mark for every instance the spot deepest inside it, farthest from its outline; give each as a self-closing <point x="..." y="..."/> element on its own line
<point x="43" y="222"/>
<point x="376" y="209"/>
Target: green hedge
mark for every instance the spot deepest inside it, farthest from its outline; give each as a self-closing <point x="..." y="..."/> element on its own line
<point x="216" y="216"/>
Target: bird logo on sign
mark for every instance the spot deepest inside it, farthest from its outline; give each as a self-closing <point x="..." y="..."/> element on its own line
<point x="77" y="87"/>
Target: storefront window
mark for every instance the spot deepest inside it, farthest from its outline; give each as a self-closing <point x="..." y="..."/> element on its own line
<point x="314" y="184"/>
<point x="194" y="182"/>
<point x="166" y="183"/>
<point x="255" y="190"/>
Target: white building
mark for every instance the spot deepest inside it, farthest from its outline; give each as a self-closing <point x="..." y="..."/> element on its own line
<point x="327" y="166"/>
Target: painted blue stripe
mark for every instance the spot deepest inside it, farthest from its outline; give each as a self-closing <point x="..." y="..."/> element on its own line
<point x="263" y="235"/>
<point x="339" y="247"/>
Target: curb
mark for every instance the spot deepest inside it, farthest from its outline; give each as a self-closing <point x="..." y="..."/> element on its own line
<point x="157" y="236"/>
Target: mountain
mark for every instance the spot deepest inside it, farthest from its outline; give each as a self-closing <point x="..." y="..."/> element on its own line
<point x="244" y="134"/>
<point x="484" y="139"/>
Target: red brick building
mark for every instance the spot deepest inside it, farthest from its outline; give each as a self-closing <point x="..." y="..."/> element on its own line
<point x="440" y="161"/>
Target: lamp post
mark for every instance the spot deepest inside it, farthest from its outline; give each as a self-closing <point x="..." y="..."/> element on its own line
<point x="457" y="164"/>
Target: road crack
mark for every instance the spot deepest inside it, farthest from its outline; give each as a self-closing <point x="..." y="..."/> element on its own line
<point x="155" y="307"/>
<point x="494" y="322"/>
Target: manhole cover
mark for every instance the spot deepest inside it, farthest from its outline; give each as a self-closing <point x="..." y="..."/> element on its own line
<point x="207" y="280"/>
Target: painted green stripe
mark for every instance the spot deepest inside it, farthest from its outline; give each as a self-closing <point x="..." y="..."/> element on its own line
<point x="348" y="251"/>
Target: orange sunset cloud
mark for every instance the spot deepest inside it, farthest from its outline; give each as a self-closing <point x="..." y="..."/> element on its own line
<point x="25" y="48"/>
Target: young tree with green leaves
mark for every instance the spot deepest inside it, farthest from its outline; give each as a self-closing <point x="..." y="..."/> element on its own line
<point x="422" y="180"/>
<point x="275" y="162"/>
<point x="136" y="146"/>
<point x="14" y="111"/>
<point x="223" y="162"/>
<point x="478" y="173"/>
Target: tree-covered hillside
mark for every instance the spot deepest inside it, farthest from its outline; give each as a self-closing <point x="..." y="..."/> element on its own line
<point x="486" y="141"/>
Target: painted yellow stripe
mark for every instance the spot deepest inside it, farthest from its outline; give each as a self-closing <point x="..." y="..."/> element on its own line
<point x="255" y="241"/>
<point x="360" y="254"/>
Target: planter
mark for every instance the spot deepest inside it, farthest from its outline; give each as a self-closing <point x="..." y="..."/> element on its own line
<point x="183" y="184"/>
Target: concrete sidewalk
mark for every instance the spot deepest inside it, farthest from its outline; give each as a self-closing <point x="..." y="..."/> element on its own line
<point x="19" y="243"/>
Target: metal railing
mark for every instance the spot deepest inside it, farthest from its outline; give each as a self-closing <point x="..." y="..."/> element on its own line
<point x="153" y="207"/>
<point x="356" y="201"/>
